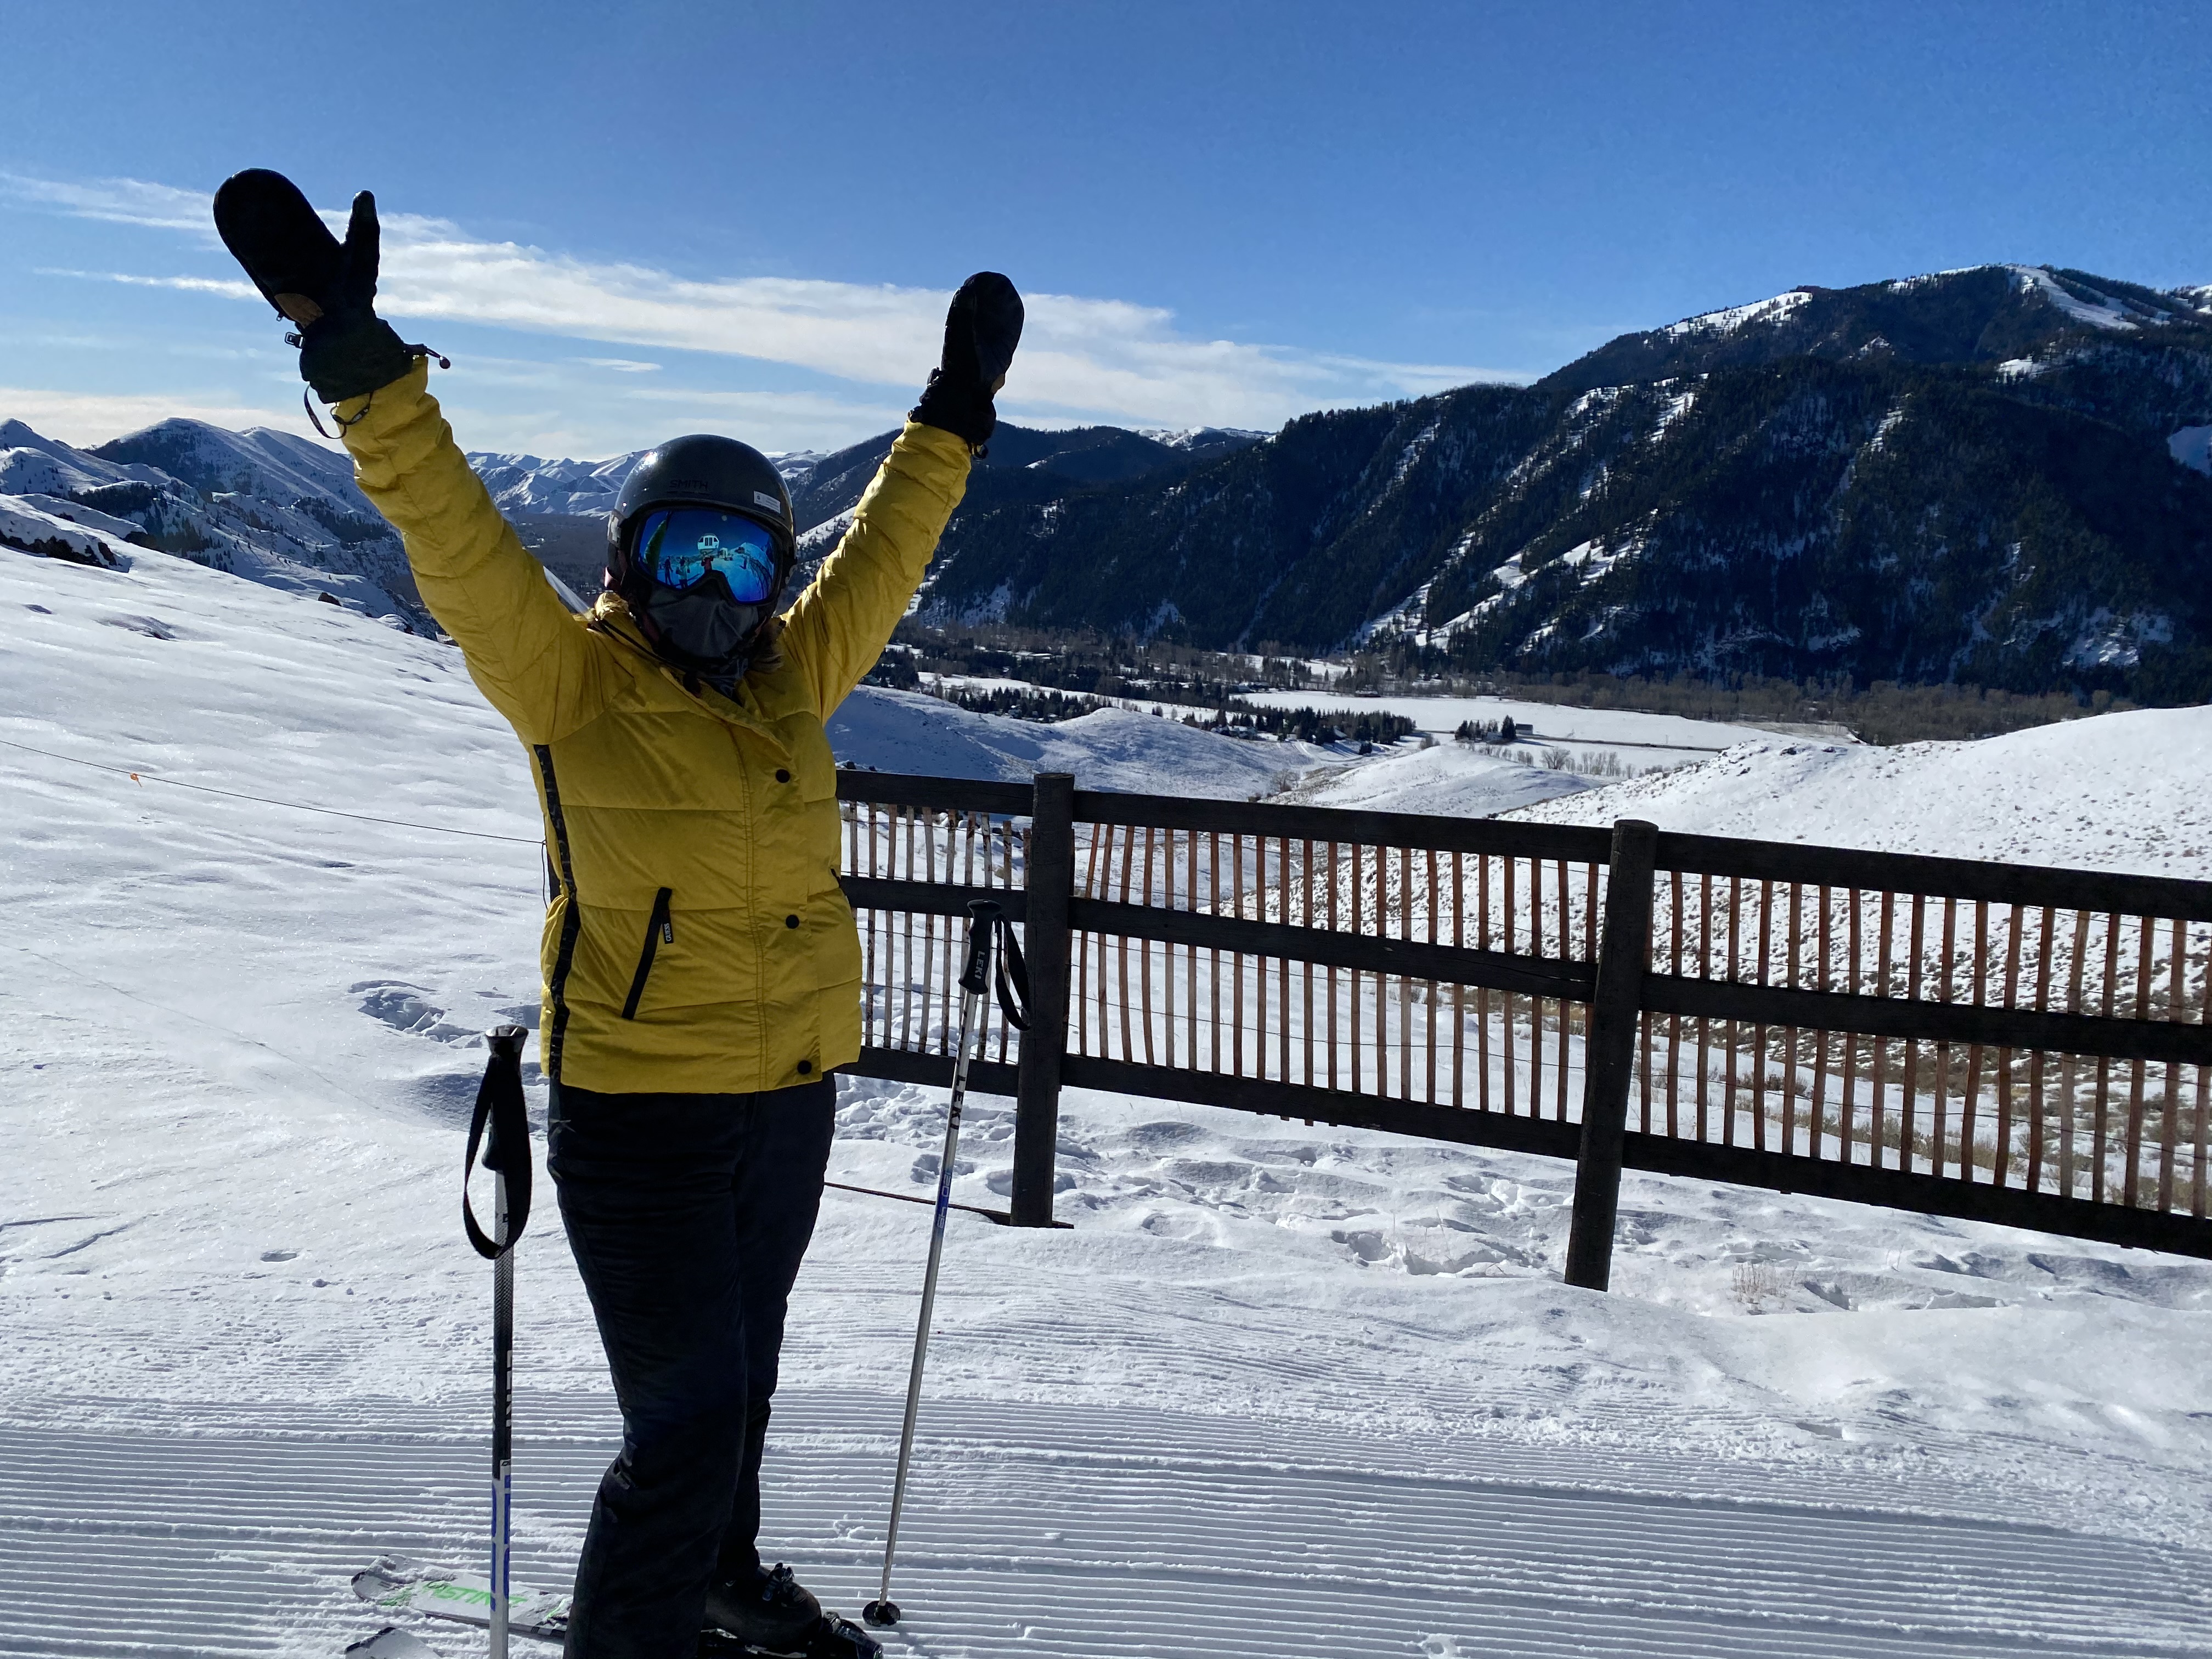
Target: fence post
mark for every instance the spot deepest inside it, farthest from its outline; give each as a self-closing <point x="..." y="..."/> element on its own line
<point x="1610" y="1051"/>
<point x="1050" y="882"/>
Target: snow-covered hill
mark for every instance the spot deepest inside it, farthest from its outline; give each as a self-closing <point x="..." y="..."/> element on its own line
<point x="274" y="508"/>
<point x="2120" y="791"/>
<point x="1449" y="780"/>
<point x="1279" y="1390"/>
<point x="1109" y="748"/>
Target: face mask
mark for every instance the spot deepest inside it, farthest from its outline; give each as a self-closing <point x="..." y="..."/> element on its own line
<point x="702" y="628"/>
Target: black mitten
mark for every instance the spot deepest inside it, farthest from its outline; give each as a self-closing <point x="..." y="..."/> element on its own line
<point x="982" y="330"/>
<point x="326" y="288"/>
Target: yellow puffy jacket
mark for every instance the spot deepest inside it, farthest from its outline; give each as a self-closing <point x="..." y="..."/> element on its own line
<point x="697" y="941"/>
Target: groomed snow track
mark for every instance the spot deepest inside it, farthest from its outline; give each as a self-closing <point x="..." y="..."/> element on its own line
<point x="127" y="1529"/>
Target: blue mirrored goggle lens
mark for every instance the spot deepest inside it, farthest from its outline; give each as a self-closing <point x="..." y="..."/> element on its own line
<point x="681" y="547"/>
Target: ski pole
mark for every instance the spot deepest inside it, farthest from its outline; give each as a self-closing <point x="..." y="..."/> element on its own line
<point x="983" y="920"/>
<point x="506" y="1155"/>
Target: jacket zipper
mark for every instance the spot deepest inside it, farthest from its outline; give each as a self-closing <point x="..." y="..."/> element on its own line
<point x="571" y="918"/>
<point x="659" y="930"/>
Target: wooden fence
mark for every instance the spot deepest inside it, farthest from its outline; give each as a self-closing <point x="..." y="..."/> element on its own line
<point x="2010" y="1043"/>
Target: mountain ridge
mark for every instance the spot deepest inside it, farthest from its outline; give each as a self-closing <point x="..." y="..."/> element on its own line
<point x="265" y="505"/>
<point x="1777" y="494"/>
<point x="1998" y="474"/>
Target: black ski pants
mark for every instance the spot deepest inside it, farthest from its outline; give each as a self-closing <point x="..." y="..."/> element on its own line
<point x="687" y="1215"/>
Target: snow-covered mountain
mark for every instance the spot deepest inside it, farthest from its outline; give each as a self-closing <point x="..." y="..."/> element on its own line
<point x="2000" y="476"/>
<point x="1994" y="475"/>
<point x="1204" y="441"/>
<point x="1982" y="313"/>
<point x="825" y="483"/>
<point x="535" y="486"/>
<point x="274" y="508"/>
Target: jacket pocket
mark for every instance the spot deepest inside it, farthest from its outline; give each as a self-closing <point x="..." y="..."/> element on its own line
<point x="659" y="930"/>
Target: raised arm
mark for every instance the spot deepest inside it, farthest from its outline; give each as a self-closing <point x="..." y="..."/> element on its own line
<point x="839" y="626"/>
<point x="534" y="661"/>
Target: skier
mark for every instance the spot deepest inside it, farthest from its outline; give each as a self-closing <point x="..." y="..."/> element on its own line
<point x="701" y="968"/>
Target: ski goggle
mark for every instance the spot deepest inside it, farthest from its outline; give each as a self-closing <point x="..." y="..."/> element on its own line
<point x="681" y="547"/>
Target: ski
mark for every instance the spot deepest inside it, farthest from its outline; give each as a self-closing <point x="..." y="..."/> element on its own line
<point x="395" y="1584"/>
<point x="391" y="1642"/>
<point x="835" y="1638"/>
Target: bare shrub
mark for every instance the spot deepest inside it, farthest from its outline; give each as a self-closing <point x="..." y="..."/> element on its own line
<point x="1756" y="1282"/>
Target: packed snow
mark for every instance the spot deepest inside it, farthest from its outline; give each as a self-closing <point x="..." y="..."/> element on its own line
<point x="2117" y="791"/>
<point x="1278" y="1390"/>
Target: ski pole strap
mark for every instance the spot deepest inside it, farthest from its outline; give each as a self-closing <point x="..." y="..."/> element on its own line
<point x="1014" y="996"/>
<point x="1005" y="972"/>
<point x="500" y="1110"/>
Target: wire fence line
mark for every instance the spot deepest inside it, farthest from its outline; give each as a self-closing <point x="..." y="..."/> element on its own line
<point x="143" y="776"/>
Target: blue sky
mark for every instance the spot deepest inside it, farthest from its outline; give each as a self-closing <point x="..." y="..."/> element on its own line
<point x="625" y="221"/>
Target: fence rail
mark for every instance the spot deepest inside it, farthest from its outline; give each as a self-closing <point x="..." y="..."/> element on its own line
<point x="2005" y="1042"/>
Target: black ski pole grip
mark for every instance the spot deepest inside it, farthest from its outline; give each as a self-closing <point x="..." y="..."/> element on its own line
<point x="500" y="1109"/>
<point x="983" y="916"/>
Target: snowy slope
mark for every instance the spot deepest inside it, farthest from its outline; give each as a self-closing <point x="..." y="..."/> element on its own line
<point x="1450" y="780"/>
<point x="1733" y="318"/>
<point x="273" y="508"/>
<point x="1279" y="1390"/>
<point x="41" y="525"/>
<point x="1110" y="748"/>
<point x="2120" y="791"/>
<point x="1639" y="738"/>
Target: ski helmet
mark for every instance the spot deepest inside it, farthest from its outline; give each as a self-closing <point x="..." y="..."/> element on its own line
<point x="703" y="627"/>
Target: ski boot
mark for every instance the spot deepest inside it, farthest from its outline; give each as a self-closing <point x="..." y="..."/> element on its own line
<point x="773" y="1616"/>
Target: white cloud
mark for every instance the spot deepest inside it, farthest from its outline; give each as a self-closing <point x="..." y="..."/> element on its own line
<point x="117" y="201"/>
<point x="622" y="364"/>
<point x="226" y="289"/>
<point x="85" y="417"/>
<point x="597" y="423"/>
<point x="1080" y="357"/>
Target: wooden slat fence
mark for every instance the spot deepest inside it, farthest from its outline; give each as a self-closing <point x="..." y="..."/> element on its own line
<point x="2035" y="1032"/>
<point x="2015" y="1043"/>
